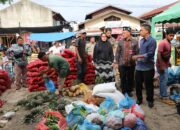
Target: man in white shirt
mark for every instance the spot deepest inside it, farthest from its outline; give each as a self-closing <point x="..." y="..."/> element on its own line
<point x="90" y="46"/>
<point x="56" y="48"/>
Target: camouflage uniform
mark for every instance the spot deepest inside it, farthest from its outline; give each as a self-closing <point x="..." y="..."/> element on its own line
<point x="18" y="54"/>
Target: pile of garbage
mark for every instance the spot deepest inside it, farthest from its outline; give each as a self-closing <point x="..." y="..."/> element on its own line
<point x="109" y="115"/>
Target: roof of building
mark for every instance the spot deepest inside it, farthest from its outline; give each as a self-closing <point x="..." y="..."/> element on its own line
<point x="154" y="12"/>
<point x="55" y="14"/>
<point x="108" y="7"/>
<point x="106" y="13"/>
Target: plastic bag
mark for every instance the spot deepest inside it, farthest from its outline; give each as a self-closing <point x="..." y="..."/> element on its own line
<point x="107" y="106"/>
<point x="140" y="125"/>
<point x="114" y="119"/>
<point x="76" y="116"/>
<point x="136" y="109"/>
<point x="70" y="107"/>
<point x="116" y="96"/>
<point x="95" y="118"/>
<point x="126" y="128"/>
<point x="130" y="120"/>
<point x="127" y="102"/>
<point x="104" y="88"/>
<point x="50" y="85"/>
<point x="88" y="126"/>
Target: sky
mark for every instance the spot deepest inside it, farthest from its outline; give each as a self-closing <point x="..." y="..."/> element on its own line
<point x="76" y="10"/>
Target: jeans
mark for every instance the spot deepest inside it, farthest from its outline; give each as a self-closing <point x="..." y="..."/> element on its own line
<point x="163" y="82"/>
<point x="81" y="68"/>
<point x="127" y="78"/>
<point x="147" y="78"/>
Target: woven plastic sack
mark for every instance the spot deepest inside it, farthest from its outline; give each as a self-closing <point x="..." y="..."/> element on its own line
<point x="62" y="122"/>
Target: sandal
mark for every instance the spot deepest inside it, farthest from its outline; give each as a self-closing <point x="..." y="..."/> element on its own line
<point x="168" y="102"/>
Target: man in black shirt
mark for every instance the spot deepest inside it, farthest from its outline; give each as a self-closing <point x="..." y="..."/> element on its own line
<point x="81" y="56"/>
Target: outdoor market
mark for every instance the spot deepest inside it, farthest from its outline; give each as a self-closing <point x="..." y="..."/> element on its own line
<point x="118" y="75"/>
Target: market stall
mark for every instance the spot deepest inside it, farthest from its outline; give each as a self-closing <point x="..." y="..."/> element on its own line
<point x="171" y="15"/>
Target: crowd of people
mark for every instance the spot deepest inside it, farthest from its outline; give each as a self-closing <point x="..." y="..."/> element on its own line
<point x="133" y="58"/>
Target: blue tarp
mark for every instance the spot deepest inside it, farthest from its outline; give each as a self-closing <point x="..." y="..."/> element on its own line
<point x="50" y="37"/>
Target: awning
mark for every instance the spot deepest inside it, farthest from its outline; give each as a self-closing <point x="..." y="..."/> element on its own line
<point x="50" y="37"/>
<point x="31" y="29"/>
<point x="168" y="16"/>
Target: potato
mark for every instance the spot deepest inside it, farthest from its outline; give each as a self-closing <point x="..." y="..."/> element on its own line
<point x="70" y="94"/>
<point x="74" y="88"/>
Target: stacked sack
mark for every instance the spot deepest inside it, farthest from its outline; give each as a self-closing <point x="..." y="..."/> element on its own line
<point x="5" y="81"/>
<point x="35" y="82"/>
<point x="90" y="71"/>
<point x="70" y="56"/>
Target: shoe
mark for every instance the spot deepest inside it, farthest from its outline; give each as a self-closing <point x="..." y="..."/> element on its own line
<point x="139" y="102"/>
<point x="150" y="104"/>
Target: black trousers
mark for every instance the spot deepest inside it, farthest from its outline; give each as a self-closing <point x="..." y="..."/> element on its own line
<point x="147" y="78"/>
<point x="127" y="78"/>
<point x="81" y="70"/>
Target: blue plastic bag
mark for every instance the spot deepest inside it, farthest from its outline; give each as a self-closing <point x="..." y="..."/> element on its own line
<point x="107" y="106"/>
<point x="127" y="102"/>
<point x="88" y="126"/>
<point x="50" y="85"/>
<point x="76" y="116"/>
<point x="140" y="125"/>
<point x="126" y="128"/>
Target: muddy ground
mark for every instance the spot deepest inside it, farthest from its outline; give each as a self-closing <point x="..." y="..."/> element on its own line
<point x="161" y="117"/>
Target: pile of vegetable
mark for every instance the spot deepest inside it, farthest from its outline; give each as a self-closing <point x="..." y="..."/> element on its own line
<point x="71" y="58"/>
<point x="76" y="90"/>
<point x="1" y="103"/>
<point x="37" y="104"/>
<point x="90" y="71"/>
<point x="53" y="120"/>
<point x="5" y="81"/>
<point x="34" y="81"/>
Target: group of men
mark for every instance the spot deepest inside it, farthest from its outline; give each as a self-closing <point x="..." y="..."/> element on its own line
<point x="133" y="59"/>
<point x="131" y="55"/>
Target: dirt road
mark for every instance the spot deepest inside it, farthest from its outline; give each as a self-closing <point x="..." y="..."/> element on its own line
<point x="161" y="117"/>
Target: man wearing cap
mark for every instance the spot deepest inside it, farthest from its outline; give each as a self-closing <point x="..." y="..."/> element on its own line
<point x="81" y="55"/>
<point x="127" y="47"/>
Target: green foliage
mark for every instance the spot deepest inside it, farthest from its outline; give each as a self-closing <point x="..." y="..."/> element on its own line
<point x="39" y="103"/>
<point x="4" y="1"/>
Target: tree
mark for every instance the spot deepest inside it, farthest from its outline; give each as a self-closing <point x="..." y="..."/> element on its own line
<point x="4" y="1"/>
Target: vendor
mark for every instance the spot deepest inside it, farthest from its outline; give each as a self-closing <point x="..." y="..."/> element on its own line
<point x="60" y="64"/>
